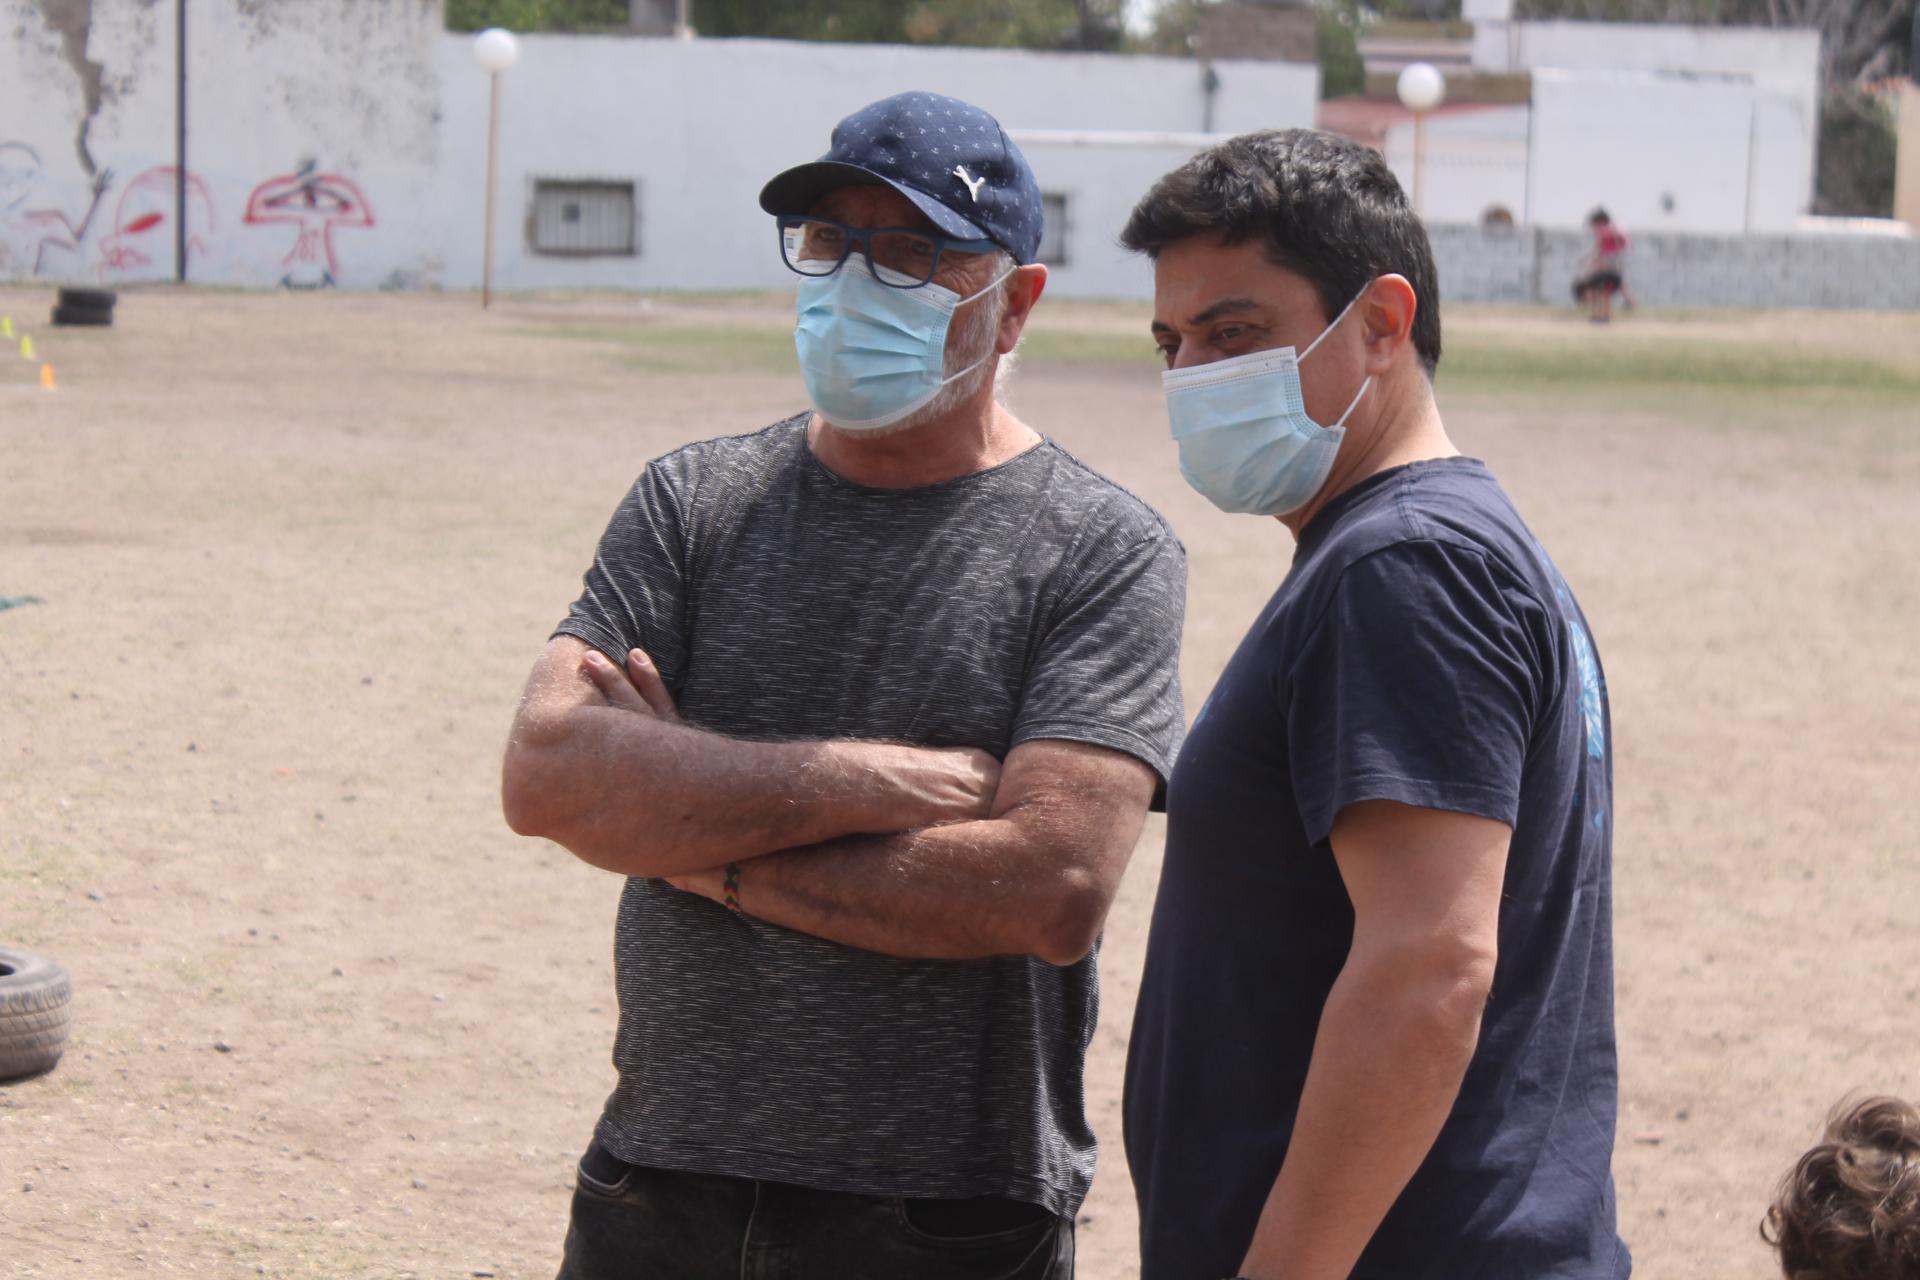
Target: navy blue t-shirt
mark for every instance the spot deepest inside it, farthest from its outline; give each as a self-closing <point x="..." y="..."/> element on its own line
<point x="1422" y="649"/>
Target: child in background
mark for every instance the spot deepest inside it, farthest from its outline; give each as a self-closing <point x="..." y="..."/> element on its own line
<point x="1850" y="1210"/>
<point x="1604" y="271"/>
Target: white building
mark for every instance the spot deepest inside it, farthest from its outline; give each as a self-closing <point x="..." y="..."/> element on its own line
<point x="1670" y="128"/>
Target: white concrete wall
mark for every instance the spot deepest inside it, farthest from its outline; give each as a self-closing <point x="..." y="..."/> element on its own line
<point x="1782" y="66"/>
<point x="1707" y="153"/>
<point x="702" y="125"/>
<point x="372" y="119"/>
<point x="1473" y="161"/>
<point x="1785" y="60"/>
<point x="386" y="111"/>
<point x="1663" y="152"/>
<point x="348" y="91"/>
<point x="1102" y="182"/>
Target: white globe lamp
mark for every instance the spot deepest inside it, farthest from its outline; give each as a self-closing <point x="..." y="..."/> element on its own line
<point x="1421" y="87"/>
<point x="495" y="50"/>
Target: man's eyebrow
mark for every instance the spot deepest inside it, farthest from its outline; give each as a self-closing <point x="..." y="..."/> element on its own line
<point x="1225" y="306"/>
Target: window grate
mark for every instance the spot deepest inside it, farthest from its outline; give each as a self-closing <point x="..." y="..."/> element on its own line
<point x="584" y="218"/>
<point x="1053" y="230"/>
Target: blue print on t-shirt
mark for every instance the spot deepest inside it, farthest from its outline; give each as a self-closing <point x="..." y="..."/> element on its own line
<point x="1590" y="691"/>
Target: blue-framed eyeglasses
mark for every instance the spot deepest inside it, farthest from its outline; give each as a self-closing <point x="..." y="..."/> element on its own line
<point x="899" y="256"/>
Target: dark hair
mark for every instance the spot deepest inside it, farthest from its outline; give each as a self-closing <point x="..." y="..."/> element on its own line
<point x="1323" y="208"/>
<point x="1597" y="217"/>
<point x="1850" y="1210"/>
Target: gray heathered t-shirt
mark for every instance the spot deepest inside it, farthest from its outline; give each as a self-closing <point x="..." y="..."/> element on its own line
<point x="781" y="602"/>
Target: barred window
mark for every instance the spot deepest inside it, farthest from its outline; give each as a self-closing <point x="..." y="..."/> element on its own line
<point x="584" y="218"/>
<point x="1053" y="232"/>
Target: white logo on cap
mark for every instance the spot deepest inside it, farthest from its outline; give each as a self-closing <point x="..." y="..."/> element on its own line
<point x="973" y="184"/>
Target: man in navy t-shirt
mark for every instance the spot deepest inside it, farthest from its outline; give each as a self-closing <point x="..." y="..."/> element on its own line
<point x="1375" y="1033"/>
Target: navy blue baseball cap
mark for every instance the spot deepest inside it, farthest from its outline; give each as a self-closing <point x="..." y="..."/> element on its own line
<point x="950" y="158"/>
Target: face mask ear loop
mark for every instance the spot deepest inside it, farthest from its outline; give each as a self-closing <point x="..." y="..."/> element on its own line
<point x="969" y="298"/>
<point x="998" y="281"/>
<point x="1331" y="327"/>
<point x="1354" y="404"/>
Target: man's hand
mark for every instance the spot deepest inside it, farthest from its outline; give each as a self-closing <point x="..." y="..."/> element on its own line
<point x="639" y="688"/>
<point x="711" y="885"/>
<point x="946" y="784"/>
<point x="957" y="783"/>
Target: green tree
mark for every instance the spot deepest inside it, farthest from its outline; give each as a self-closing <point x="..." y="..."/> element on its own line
<point x="536" y="15"/>
<point x="1032" y="24"/>
<point x="1858" y="143"/>
<point x="1336" y="46"/>
<point x="1339" y="25"/>
<point x="1173" y="26"/>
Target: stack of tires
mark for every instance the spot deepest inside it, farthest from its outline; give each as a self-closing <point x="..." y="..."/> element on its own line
<point x="36" y="1013"/>
<point x="85" y="307"/>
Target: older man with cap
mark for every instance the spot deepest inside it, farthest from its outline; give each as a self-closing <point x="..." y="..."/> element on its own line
<point x="868" y="706"/>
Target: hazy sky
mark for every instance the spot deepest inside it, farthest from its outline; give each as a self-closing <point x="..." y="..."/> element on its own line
<point x="1140" y="12"/>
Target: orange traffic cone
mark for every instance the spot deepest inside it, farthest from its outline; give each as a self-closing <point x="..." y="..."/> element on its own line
<point x="46" y="377"/>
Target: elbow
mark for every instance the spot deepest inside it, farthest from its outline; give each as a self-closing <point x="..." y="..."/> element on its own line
<point x="1455" y="984"/>
<point x="1440" y="985"/>
<point x="1070" y="925"/>
<point x="536" y="801"/>
<point x="524" y="793"/>
<point x="1469" y="985"/>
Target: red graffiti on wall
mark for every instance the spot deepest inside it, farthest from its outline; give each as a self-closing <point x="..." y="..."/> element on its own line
<point x="143" y="222"/>
<point x="317" y="203"/>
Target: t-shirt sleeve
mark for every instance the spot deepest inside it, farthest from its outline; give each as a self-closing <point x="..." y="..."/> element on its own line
<point x="634" y="594"/>
<point x="1108" y="667"/>
<point x="1420" y="683"/>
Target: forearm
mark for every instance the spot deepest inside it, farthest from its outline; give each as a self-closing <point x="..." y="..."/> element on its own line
<point x="1388" y="1059"/>
<point x="649" y="797"/>
<point x="959" y="892"/>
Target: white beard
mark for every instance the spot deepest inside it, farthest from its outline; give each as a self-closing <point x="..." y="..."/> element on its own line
<point x="972" y="342"/>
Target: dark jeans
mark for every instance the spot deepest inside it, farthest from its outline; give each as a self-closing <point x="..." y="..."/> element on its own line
<point x="637" y="1223"/>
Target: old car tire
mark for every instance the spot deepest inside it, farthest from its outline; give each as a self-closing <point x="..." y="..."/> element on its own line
<point x="36" y="1013"/>
<point x="81" y="316"/>
<point x="88" y="299"/>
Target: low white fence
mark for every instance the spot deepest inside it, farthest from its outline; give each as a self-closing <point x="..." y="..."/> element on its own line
<point x="1871" y="271"/>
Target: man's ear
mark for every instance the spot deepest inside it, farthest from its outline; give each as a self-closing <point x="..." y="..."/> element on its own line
<point x="1024" y="288"/>
<point x="1387" y="314"/>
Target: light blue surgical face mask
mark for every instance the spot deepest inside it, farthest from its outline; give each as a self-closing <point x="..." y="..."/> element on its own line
<point x="1246" y="442"/>
<point x="871" y="354"/>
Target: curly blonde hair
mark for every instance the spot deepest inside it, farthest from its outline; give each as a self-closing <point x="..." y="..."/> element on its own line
<point x="1850" y="1209"/>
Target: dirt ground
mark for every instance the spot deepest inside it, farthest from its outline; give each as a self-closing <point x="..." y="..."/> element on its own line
<point x="298" y="552"/>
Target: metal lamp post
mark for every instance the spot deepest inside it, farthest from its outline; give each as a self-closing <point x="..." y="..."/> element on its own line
<point x="1421" y="87"/>
<point x="495" y="50"/>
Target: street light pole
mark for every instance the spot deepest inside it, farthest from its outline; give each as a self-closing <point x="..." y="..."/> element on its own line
<point x="495" y="50"/>
<point x="180" y="143"/>
<point x="493" y="166"/>
<point x="1421" y="87"/>
<point x="1419" y="163"/>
